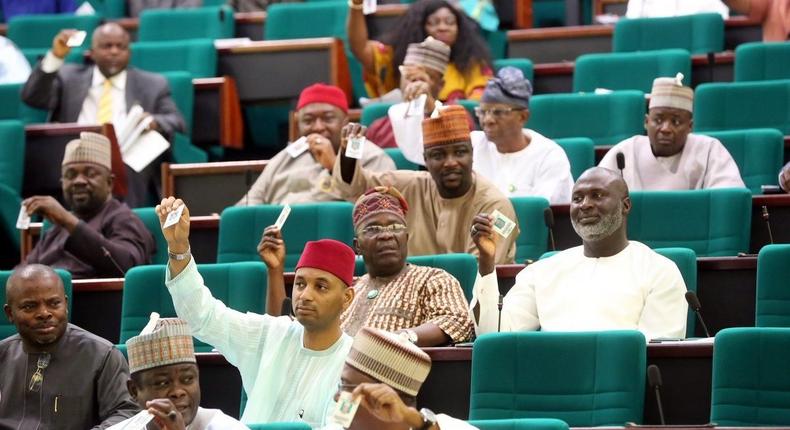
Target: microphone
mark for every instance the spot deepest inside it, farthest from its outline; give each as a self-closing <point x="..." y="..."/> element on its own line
<point x="654" y="379"/>
<point x="620" y="162"/>
<point x="693" y="301"/>
<point x="287" y="307"/>
<point x="112" y="260"/>
<point x="548" y="219"/>
<point x="499" y="321"/>
<point x="766" y="218"/>
<point x="248" y="184"/>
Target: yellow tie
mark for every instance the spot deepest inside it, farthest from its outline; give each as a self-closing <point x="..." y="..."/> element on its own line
<point x="104" y="114"/>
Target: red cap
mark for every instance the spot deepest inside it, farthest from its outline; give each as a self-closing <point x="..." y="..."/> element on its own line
<point x="330" y="256"/>
<point x="322" y="93"/>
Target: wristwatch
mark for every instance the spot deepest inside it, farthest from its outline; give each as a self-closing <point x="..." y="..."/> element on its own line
<point x="179" y="257"/>
<point x="428" y="419"/>
<point x="413" y="337"/>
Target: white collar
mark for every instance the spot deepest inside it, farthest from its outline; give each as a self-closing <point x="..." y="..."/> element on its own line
<point x="118" y="81"/>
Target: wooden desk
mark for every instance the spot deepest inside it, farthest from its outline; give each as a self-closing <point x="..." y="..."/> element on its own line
<point x="686" y="372"/>
<point x="559" y="44"/>
<point x="216" y="116"/>
<point x="96" y="306"/>
<point x="288" y="65"/>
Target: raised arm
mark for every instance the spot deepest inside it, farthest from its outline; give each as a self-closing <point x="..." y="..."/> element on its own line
<point x="271" y="249"/>
<point x="357" y="29"/>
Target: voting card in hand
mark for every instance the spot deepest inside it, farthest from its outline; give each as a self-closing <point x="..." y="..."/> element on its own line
<point x="283" y="216"/>
<point x="345" y="409"/>
<point x="76" y="39"/>
<point x="369" y="7"/>
<point x="502" y="224"/>
<point x="23" y="220"/>
<point x="173" y="217"/>
<point x="138" y="422"/>
<point x="296" y="148"/>
<point x="355" y="147"/>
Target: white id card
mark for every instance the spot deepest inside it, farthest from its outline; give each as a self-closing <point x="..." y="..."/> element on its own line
<point x="369" y="7"/>
<point x="282" y="217"/>
<point x="76" y="39"/>
<point x="173" y="217"/>
<point x="355" y="147"/>
<point x="298" y="147"/>
<point x="502" y="224"/>
<point x="345" y="409"/>
<point x="23" y="220"/>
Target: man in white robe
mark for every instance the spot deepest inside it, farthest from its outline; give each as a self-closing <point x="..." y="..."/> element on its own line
<point x="608" y="283"/>
<point x="519" y="161"/>
<point x="667" y="8"/>
<point x="670" y="157"/>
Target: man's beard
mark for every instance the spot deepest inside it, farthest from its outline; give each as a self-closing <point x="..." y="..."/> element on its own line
<point x="604" y="228"/>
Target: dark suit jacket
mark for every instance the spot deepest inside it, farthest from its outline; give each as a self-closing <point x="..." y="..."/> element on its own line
<point x="63" y="93"/>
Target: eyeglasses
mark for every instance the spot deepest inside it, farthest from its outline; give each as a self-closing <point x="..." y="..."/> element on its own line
<point x="375" y="230"/>
<point x="38" y="376"/>
<point x="495" y="112"/>
<point x="346" y="387"/>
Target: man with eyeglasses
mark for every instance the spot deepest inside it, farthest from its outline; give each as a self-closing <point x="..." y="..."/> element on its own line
<point x="55" y="375"/>
<point x="445" y="199"/>
<point x="301" y="173"/>
<point x="519" y="161"/>
<point x="670" y="157"/>
<point x="426" y="303"/>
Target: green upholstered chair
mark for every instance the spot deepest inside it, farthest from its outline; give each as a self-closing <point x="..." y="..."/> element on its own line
<point x="401" y="163"/>
<point x="33" y="34"/>
<point x="12" y="146"/>
<point x="710" y="222"/>
<point x="240" y="229"/>
<point x="9" y="210"/>
<point x="279" y="426"/>
<point x="6" y="328"/>
<point x="585" y="379"/>
<point x="183" y="24"/>
<point x="580" y="152"/>
<point x="760" y="61"/>
<point x="109" y="9"/>
<point x="372" y="112"/>
<point x="12" y="107"/>
<point x="524" y="64"/>
<point x="605" y="118"/>
<point x="548" y="13"/>
<point x="757" y="152"/>
<point x="151" y="220"/>
<point x="183" y="93"/>
<point x="521" y="424"/>
<point x="532" y="241"/>
<point x="773" y="294"/>
<point x="699" y="34"/>
<point x="196" y="56"/>
<point x="686" y="260"/>
<point x="628" y="70"/>
<point x="739" y="105"/>
<point x="241" y="286"/>
<point x="751" y="384"/>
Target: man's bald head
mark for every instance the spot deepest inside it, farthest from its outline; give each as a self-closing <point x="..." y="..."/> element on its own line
<point x="36" y="304"/>
<point x="31" y="272"/>
<point x="110" y="49"/>
<point x="606" y="177"/>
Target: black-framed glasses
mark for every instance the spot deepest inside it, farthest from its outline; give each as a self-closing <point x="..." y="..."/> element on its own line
<point x="495" y="112"/>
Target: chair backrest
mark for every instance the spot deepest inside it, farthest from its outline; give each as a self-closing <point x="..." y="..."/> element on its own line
<point x="183" y="93"/>
<point x="585" y="379"/>
<point x="532" y="240"/>
<point x="6" y="328"/>
<point x="714" y="221"/>
<point x="372" y="112"/>
<point x="773" y="280"/>
<point x="580" y="152"/>
<point x="751" y="383"/>
<point x="524" y="64"/>
<point x="757" y="152"/>
<point x="240" y="229"/>
<point x="686" y="260"/>
<point x="12" y="146"/>
<point x="182" y="24"/>
<point x="279" y="426"/>
<point x="605" y="118"/>
<point x="109" y="9"/>
<point x="10" y="203"/>
<point x="12" y="107"/>
<point x="739" y="105"/>
<point x="401" y="163"/>
<point x="241" y="286"/>
<point x="37" y="31"/>
<point x="629" y="70"/>
<point x="699" y="34"/>
<point x="151" y="220"/>
<point x="760" y="61"/>
<point x="196" y="56"/>
<point x="521" y="424"/>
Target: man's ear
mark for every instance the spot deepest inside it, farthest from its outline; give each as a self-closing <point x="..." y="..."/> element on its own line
<point x="348" y="297"/>
<point x="7" y="310"/>
<point x="626" y="205"/>
<point x="525" y="116"/>
<point x="356" y="247"/>
<point x="132" y="388"/>
<point x="646" y="121"/>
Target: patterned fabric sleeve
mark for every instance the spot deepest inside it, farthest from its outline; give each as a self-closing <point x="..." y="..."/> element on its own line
<point x="381" y="80"/>
<point x="444" y="304"/>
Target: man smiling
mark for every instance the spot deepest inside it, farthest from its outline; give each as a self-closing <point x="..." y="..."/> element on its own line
<point x="608" y="283"/>
<point x="445" y="199"/>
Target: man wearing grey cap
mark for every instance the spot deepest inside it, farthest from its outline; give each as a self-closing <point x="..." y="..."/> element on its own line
<point x="670" y="157"/>
<point x="519" y="161"/>
<point x="100" y="237"/>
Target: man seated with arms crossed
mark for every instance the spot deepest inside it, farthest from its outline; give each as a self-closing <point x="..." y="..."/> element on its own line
<point x="426" y="303"/>
<point x="608" y="283"/>
<point x="165" y="378"/>
<point x="519" y="161"/>
<point x="288" y="368"/>
<point x="302" y="173"/>
<point x="386" y="371"/>
<point x="422" y="74"/>
<point x="445" y="199"/>
<point x="670" y="157"/>
<point x="55" y="375"/>
<point x="100" y="237"/>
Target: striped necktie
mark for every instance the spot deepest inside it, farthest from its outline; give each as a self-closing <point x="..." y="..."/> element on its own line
<point x="104" y="114"/>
